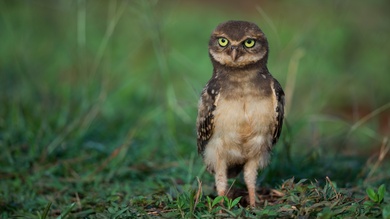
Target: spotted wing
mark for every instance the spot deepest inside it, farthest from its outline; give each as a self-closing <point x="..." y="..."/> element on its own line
<point x="205" y="121"/>
<point x="278" y="91"/>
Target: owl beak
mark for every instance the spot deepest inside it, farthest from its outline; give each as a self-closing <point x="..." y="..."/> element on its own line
<point x="233" y="53"/>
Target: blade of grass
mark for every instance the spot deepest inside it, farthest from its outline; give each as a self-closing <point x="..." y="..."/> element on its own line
<point x="291" y="77"/>
<point x="67" y="211"/>
<point x="117" y="214"/>
<point x="382" y="154"/>
<point x="270" y="23"/>
<point x="114" y="16"/>
<point x="368" y="117"/>
<point x="46" y="210"/>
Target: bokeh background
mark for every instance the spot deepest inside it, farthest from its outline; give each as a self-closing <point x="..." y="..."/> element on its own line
<point x="100" y="96"/>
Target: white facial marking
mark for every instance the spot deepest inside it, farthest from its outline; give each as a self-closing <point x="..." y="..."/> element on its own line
<point x="243" y="60"/>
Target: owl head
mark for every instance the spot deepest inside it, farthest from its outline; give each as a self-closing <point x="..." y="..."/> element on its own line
<point x="238" y="44"/>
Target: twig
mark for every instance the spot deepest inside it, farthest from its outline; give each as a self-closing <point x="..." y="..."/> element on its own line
<point x="382" y="154"/>
<point x="78" y="201"/>
<point x="230" y="188"/>
<point x="334" y="189"/>
<point x="368" y="117"/>
<point x="198" y="192"/>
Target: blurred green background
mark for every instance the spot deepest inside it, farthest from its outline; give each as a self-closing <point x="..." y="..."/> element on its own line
<point x="100" y="97"/>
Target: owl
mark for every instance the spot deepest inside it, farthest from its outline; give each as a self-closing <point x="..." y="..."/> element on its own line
<point x="241" y="108"/>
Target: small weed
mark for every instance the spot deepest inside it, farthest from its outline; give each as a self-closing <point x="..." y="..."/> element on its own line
<point x="230" y="203"/>
<point x="377" y="196"/>
<point x="376" y="205"/>
<point x="212" y="204"/>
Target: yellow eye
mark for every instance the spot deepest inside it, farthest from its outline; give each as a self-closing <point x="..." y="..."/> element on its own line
<point x="223" y="42"/>
<point x="249" y="43"/>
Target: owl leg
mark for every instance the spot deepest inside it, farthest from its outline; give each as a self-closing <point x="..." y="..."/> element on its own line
<point x="221" y="177"/>
<point x="250" y="175"/>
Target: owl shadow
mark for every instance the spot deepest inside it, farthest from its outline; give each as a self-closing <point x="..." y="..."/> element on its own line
<point x="263" y="195"/>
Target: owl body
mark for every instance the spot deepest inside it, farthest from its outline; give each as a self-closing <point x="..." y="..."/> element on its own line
<point x="240" y="111"/>
<point x="242" y="123"/>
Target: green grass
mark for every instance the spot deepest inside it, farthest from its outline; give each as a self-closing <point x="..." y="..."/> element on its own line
<point x="99" y="99"/>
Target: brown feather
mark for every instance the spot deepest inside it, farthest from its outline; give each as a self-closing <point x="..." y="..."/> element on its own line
<point x="279" y="110"/>
<point x="205" y="119"/>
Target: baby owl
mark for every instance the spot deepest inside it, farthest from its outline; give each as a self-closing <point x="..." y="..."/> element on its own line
<point x="241" y="108"/>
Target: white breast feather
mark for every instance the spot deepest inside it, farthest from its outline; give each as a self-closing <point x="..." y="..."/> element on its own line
<point x="243" y="130"/>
